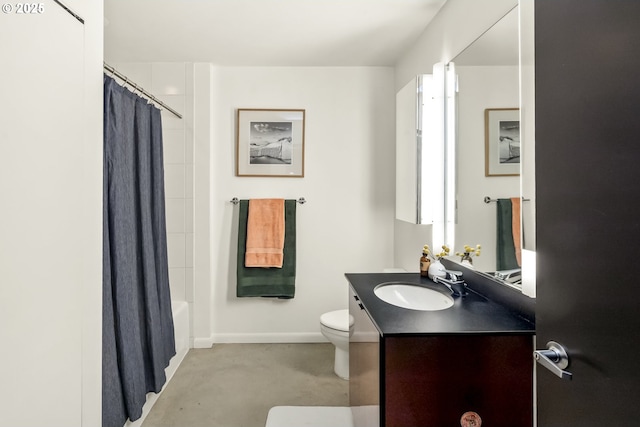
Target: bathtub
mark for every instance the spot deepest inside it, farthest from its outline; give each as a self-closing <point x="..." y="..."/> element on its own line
<point x="180" y="311"/>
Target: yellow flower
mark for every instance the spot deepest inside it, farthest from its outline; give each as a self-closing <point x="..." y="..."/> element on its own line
<point x="469" y="251"/>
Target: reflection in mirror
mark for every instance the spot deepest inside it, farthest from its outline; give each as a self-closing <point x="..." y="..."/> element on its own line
<point x="527" y="136"/>
<point x="489" y="201"/>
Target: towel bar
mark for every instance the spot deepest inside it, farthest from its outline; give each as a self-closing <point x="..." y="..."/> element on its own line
<point x="488" y="199"/>
<point x="301" y="200"/>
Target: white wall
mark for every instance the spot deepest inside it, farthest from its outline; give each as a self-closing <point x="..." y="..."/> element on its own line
<point x="346" y="226"/>
<point x="480" y="88"/>
<point x="347" y="223"/>
<point x="51" y="221"/>
<point x="457" y="25"/>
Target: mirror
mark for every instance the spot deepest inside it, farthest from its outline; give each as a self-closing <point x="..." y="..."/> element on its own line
<point x="488" y="150"/>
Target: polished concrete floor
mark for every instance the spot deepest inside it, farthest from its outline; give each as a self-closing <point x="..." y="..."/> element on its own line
<point x="235" y="385"/>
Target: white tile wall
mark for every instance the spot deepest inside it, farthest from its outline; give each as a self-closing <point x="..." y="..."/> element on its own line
<point x="168" y="78"/>
<point x="175" y="210"/>
<point x="189" y="290"/>
<point x="188" y="216"/>
<point x="188" y="180"/>
<point x="176" y="248"/>
<point x="174" y="146"/>
<point x="188" y="250"/>
<point x="174" y="180"/>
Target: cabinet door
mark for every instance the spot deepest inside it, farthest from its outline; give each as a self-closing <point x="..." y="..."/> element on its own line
<point x="364" y="367"/>
<point x="433" y="381"/>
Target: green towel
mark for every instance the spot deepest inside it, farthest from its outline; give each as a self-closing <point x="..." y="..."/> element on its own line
<point x="505" y="249"/>
<point x="268" y="282"/>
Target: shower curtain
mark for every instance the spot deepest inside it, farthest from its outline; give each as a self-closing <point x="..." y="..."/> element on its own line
<point x="138" y="339"/>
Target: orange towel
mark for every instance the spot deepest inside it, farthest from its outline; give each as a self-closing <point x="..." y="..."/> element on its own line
<point x="515" y="227"/>
<point x="265" y="233"/>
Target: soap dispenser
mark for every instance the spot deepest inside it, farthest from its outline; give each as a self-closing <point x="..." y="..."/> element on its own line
<point x="425" y="262"/>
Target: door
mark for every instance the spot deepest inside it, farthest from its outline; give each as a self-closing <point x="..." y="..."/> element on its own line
<point x="43" y="214"/>
<point x="588" y="221"/>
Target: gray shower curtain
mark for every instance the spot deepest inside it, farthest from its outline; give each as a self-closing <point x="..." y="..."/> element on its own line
<point x="138" y="339"/>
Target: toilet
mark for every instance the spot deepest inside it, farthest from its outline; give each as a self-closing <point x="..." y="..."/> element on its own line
<point x="337" y="327"/>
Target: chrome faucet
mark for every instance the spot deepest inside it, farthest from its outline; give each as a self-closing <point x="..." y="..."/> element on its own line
<point x="454" y="281"/>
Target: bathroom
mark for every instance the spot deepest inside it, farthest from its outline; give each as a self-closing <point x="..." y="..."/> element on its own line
<point x="202" y="223"/>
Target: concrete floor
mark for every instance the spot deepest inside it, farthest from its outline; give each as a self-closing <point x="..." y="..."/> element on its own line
<point x="235" y="385"/>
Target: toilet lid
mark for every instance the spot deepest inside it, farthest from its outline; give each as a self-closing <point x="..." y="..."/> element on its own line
<point x="340" y="320"/>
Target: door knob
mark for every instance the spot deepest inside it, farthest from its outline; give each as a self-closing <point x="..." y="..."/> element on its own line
<point x="555" y="359"/>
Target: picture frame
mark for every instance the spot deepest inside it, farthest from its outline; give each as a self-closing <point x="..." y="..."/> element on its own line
<point x="270" y="142"/>
<point x="502" y="141"/>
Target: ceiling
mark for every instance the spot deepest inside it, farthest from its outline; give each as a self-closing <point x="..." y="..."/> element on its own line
<point x="265" y="32"/>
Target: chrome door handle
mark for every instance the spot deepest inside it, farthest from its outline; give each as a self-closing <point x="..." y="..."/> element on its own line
<point x="555" y="359"/>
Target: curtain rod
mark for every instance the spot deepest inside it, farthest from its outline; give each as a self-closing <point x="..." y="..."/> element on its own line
<point x="129" y="82"/>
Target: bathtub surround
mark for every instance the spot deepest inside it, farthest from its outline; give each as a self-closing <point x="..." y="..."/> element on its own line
<point x="138" y="335"/>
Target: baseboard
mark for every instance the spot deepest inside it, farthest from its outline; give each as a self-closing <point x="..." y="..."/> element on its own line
<point x="203" y="342"/>
<point x="270" y="337"/>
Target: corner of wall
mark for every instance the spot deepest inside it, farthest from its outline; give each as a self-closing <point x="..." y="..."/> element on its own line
<point x="202" y="274"/>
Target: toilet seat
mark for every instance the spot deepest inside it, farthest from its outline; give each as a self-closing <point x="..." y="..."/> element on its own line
<point x="339" y="320"/>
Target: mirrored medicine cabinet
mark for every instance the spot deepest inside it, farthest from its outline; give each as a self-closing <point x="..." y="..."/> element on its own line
<point x="441" y="146"/>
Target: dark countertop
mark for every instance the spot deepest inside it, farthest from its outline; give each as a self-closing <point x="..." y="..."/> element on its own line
<point x="472" y="314"/>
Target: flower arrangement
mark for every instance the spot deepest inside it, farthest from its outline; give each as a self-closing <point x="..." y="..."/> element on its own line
<point x="468" y="253"/>
<point x="426" y="251"/>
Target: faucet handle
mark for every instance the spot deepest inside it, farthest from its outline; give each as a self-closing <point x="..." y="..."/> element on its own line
<point x="454" y="274"/>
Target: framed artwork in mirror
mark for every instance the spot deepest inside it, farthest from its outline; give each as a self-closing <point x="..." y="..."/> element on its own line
<point x="502" y="141"/>
<point x="270" y="143"/>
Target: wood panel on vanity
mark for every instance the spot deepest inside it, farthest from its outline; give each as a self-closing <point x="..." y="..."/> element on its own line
<point x="433" y="381"/>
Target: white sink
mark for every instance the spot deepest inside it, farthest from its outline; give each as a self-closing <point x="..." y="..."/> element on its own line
<point x="412" y="296"/>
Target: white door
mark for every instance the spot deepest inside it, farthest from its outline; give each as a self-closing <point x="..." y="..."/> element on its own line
<point x="41" y="154"/>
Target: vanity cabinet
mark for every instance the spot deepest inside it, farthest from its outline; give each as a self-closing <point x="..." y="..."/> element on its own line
<point x="431" y="379"/>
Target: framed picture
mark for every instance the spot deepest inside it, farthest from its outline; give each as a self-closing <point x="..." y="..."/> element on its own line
<point x="502" y="142"/>
<point x="270" y="143"/>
